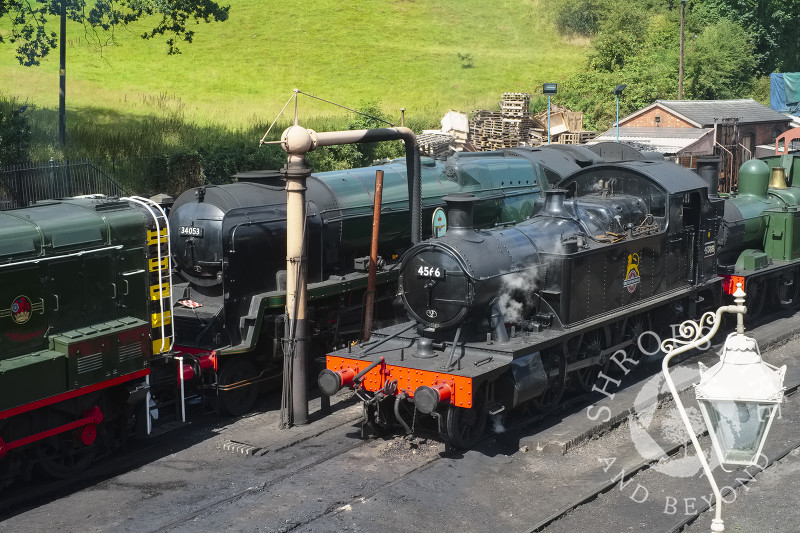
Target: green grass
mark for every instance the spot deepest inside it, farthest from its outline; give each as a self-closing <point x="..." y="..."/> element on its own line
<point x="400" y="53"/>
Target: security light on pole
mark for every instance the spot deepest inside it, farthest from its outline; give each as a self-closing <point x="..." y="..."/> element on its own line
<point x="618" y="91"/>
<point x="549" y="89"/>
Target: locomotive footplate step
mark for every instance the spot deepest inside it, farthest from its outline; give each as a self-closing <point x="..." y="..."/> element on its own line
<point x="631" y="396"/>
<point x="495" y="408"/>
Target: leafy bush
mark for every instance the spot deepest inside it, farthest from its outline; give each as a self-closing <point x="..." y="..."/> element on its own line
<point x="15" y="133"/>
<point x="579" y="17"/>
<point x="165" y="153"/>
<point x="358" y="155"/>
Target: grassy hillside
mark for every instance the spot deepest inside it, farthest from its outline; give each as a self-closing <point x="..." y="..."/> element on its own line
<point x="400" y="53"/>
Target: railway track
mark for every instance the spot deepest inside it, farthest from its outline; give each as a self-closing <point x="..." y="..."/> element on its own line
<point x="613" y="497"/>
<point x="22" y="496"/>
<point x="576" y="511"/>
<point x="323" y="478"/>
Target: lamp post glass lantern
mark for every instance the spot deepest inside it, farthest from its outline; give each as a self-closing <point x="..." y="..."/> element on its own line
<point x="549" y="89"/>
<point x="739" y="398"/>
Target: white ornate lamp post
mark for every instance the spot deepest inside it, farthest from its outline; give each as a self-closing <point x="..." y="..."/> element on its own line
<point x="738" y="396"/>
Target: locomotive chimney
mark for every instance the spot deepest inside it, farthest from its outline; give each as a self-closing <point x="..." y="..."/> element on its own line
<point x="708" y="169"/>
<point x="459" y="211"/>
<point x="554" y="203"/>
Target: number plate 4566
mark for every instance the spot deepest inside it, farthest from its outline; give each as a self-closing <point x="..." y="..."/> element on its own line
<point x="430" y="272"/>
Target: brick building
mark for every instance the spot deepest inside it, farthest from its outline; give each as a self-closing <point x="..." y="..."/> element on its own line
<point x="686" y="129"/>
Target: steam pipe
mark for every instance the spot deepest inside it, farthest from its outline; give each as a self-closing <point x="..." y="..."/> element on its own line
<point x="373" y="256"/>
<point x="397" y="416"/>
<point x="497" y="324"/>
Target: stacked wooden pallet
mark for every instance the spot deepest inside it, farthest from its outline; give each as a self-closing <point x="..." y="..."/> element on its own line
<point x="576" y="137"/>
<point x="536" y="137"/>
<point x="509" y="127"/>
<point x="515" y="105"/>
<point x="435" y="144"/>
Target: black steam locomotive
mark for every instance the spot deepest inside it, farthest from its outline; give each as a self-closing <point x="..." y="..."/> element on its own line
<point x="229" y="247"/>
<point x="512" y="315"/>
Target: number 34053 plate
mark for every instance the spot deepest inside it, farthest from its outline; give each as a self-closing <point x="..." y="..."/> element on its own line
<point x="191" y="231"/>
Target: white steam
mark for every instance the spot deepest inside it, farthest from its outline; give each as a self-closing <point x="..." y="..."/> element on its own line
<point x="517" y="294"/>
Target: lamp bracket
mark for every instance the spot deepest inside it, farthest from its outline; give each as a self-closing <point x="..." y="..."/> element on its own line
<point x="691" y="333"/>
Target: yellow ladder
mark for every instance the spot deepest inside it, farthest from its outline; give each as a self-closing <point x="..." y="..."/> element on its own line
<point x="159" y="270"/>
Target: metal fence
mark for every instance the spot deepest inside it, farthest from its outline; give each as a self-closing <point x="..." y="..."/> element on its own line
<point x="21" y="185"/>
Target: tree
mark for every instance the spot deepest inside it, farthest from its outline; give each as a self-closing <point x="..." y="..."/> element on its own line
<point x="720" y="63"/>
<point x="31" y="20"/>
<point x="637" y="50"/>
<point x="15" y="132"/>
<point x="773" y="27"/>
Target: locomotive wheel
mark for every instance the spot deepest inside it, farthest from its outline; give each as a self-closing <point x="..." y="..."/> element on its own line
<point x="591" y="345"/>
<point x="754" y="301"/>
<point x="555" y="365"/>
<point x="466" y="426"/>
<point x="380" y="416"/>
<point x="63" y="455"/>
<point x="11" y="467"/>
<point x="634" y="327"/>
<point x="238" y="401"/>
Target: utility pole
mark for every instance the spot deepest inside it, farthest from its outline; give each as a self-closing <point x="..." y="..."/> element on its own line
<point x="62" y="78"/>
<point x="680" y="64"/>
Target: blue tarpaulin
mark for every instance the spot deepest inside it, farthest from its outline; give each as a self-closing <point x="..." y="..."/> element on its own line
<point x="791" y="81"/>
<point x="784" y="92"/>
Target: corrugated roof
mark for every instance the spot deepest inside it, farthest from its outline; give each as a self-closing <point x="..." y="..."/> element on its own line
<point x="705" y="111"/>
<point x="661" y="133"/>
<point x="667" y="141"/>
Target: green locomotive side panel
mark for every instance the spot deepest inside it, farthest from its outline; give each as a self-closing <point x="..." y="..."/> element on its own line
<point x="31" y="377"/>
<point x="781" y="239"/>
<point x="66" y="228"/>
<point x="23" y="313"/>
<point x="103" y="351"/>
<point x="64" y="265"/>
<point x="19" y="238"/>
